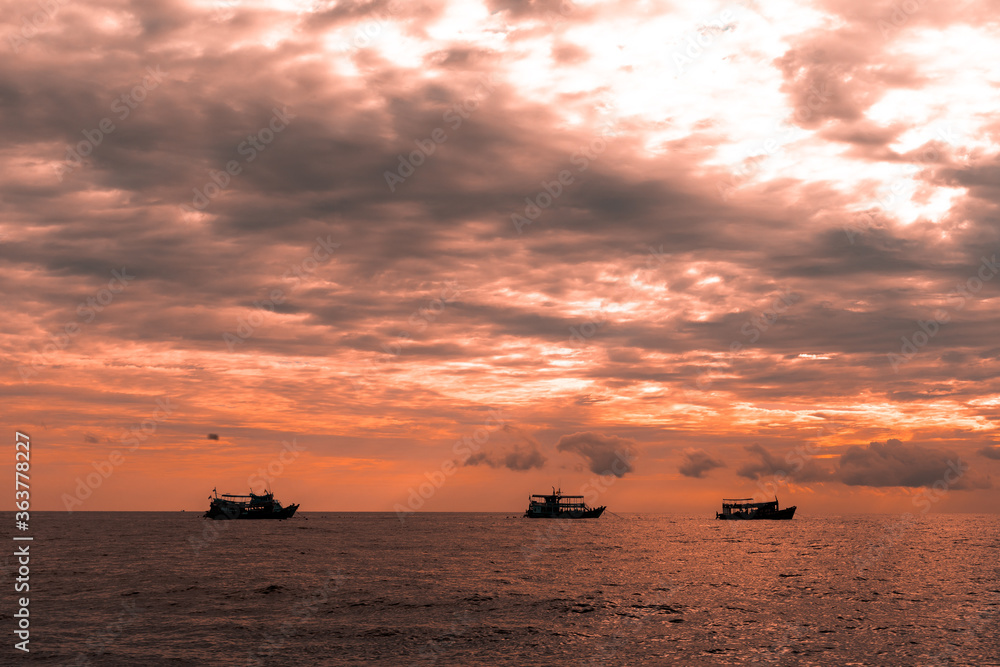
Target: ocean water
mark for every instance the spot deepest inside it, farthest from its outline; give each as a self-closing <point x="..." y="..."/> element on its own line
<point x="494" y="589"/>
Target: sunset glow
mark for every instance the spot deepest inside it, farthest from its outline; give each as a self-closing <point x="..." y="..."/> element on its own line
<point x="710" y="235"/>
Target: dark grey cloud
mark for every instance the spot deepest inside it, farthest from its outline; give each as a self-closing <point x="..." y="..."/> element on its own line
<point x="524" y="454"/>
<point x="990" y="452"/>
<point x="524" y="458"/>
<point x="795" y="465"/>
<point x="879" y="464"/>
<point x="605" y="454"/>
<point x="895" y="463"/>
<point x="519" y="458"/>
<point x="698" y="462"/>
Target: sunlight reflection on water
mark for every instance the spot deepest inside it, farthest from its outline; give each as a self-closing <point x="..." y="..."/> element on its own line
<point x="329" y="588"/>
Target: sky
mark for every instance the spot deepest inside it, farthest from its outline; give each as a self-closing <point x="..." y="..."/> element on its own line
<point x="438" y="256"/>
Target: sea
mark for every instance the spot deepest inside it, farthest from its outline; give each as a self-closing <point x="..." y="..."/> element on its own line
<point x="326" y="588"/>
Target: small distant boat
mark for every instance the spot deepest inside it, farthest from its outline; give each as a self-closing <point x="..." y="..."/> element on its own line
<point x="737" y="509"/>
<point x="558" y="506"/>
<point x="228" y="506"/>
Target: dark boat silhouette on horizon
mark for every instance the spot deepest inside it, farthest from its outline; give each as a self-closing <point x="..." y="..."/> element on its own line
<point x="744" y="509"/>
<point x="264" y="506"/>
<point x="558" y="506"/>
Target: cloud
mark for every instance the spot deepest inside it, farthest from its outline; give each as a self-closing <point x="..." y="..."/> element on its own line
<point x="376" y="311"/>
<point x="481" y="458"/>
<point x="521" y="458"/>
<point x="213" y="436"/>
<point x="895" y="463"/>
<point x="524" y="455"/>
<point x="764" y="465"/>
<point x="793" y="466"/>
<point x="524" y="458"/>
<point x="990" y="452"/>
<point x="606" y="454"/>
<point x="697" y="462"/>
<point x="880" y="464"/>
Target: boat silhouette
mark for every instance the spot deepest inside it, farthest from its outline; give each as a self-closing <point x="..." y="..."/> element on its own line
<point x="744" y="509"/>
<point x="558" y="506"/>
<point x="253" y="506"/>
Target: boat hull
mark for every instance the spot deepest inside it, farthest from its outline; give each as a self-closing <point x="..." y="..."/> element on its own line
<point x="568" y="514"/>
<point x="221" y="513"/>
<point x="780" y="515"/>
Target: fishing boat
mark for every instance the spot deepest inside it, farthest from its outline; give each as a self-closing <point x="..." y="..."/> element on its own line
<point x="264" y="506"/>
<point x="558" y="506"/>
<point x="737" y="509"/>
